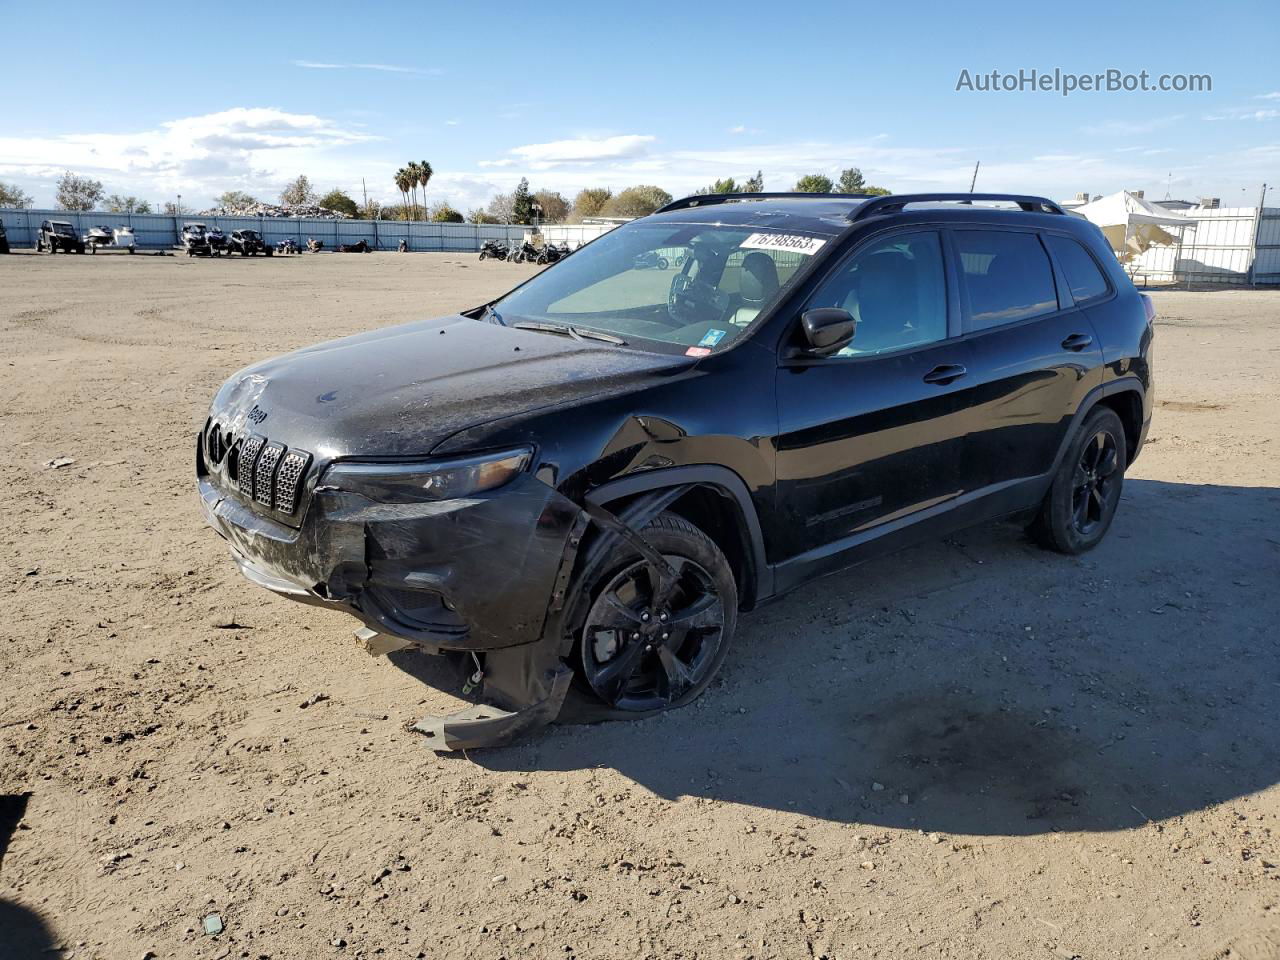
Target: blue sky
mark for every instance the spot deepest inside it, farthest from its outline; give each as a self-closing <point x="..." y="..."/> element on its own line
<point x="232" y="96"/>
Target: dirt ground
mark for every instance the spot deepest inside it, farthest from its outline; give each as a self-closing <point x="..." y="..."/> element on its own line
<point x="975" y="749"/>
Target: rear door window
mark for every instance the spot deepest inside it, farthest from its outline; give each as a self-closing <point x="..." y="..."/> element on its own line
<point x="1007" y="277"/>
<point x="1083" y="276"/>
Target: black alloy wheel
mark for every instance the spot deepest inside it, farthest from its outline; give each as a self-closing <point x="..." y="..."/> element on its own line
<point x="1084" y="495"/>
<point x="1095" y="480"/>
<point x="653" y="639"/>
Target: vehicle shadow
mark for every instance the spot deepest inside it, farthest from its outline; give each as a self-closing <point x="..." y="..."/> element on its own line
<point x="22" y="933"/>
<point x="984" y="686"/>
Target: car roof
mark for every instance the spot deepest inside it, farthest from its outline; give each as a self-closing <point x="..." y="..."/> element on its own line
<point x="825" y="215"/>
<point x="832" y="214"/>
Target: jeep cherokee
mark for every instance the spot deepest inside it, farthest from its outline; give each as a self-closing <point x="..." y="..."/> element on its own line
<point x="580" y="485"/>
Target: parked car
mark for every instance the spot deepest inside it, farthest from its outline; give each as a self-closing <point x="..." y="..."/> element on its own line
<point x="247" y="243"/>
<point x="217" y="241"/>
<point x="4" y="239"/>
<point x="195" y="240"/>
<point x="98" y="236"/>
<point x="55" y="235"/>
<point x="586" y="481"/>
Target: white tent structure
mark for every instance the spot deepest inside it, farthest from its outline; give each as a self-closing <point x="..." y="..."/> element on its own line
<point x="1132" y="225"/>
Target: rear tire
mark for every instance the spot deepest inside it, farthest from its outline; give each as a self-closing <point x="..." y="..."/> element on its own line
<point x="1082" y="500"/>
<point x="641" y="653"/>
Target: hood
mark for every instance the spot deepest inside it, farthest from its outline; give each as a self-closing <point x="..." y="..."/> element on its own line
<point x="398" y="392"/>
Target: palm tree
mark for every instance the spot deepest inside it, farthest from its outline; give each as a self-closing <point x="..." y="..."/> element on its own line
<point x="424" y="177"/>
<point x="402" y="183"/>
<point x="411" y="168"/>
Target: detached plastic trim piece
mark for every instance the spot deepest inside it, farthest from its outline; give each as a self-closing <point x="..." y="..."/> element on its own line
<point x="485" y="726"/>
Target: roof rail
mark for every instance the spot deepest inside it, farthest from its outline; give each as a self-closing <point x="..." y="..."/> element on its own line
<point x="706" y="199"/>
<point x="892" y="204"/>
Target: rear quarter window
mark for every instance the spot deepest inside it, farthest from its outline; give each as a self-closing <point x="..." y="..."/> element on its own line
<point x="1084" y="279"/>
<point x="1007" y="277"/>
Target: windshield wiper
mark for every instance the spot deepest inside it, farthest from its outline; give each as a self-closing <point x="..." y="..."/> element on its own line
<point x="578" y="333"/>
<point x="492" y="315"/>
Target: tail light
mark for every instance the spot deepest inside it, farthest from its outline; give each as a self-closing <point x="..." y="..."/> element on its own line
<point x="1148" y="305"/>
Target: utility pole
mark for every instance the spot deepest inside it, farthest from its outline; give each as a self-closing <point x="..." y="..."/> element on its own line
<point x="365" y="190"/>
<point x="1257" y="232"/>
<point x="975" y="175"/>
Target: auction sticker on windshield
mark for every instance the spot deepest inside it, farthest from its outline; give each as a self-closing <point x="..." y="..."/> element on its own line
<point x="782" y="241"/>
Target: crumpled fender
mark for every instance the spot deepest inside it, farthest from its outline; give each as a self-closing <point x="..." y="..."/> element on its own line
<point x="526" y="687"/>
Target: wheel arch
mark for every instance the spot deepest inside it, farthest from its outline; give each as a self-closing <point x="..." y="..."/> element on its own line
<point x="1126" y="397"/>
<point x="1127" y="403"/>
<point x="718" y="503"/>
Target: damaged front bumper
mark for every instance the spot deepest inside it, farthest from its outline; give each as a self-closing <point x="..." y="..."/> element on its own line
<point x="483" y="575"/>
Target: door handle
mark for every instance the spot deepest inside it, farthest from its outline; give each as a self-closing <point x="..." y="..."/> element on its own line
<point x="1077" y="341"/>
<point x="944" y="374"/>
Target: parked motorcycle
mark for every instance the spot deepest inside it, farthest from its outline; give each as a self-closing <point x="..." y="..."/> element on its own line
<point x="525" y="253"/>
<point x="288" y="245"/>
<point x="650" y="260"/>
<point x="495" y="249"/>
<point x="314" y="245"/>
<point x="551" y="253"/>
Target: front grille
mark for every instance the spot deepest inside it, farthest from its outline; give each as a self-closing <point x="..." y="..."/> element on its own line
<point x="292" y="468"/>
<point x="267" y="473"/>
<point x="250" y="447"/>
<point x="264" y="473"/>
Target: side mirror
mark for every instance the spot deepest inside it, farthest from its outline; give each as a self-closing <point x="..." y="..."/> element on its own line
<point x="827" y="330"/>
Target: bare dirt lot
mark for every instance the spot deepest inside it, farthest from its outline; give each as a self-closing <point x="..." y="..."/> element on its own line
<point x="976" y="749"/>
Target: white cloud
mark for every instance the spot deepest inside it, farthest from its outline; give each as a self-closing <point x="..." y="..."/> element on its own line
<point x="1273" y="95"/>
<point x="452" y="123"/>
<point x="1131" y="127"/>
<point x="1260" y="115"/>
<point x="380" y="67"/>
<point x="582" y="150"/>
<point x="240" y="148"/>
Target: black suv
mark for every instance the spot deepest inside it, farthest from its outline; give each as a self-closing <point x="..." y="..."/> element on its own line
<point x="579" y="486"/>
<point x="55" y="235"/>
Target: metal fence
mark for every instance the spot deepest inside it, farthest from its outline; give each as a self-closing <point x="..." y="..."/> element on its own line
<point x="1236" y="245"/>
<point x="160" y="231"/>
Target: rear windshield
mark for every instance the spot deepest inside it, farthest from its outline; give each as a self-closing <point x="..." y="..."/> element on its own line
<point x="694" y="287"/>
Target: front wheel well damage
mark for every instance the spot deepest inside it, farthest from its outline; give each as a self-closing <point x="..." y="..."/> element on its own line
<point x="716" y="513"/>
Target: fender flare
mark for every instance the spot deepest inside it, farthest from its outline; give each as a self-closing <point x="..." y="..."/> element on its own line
<point x="725" y="482"/>
<point x="1125" y="384"/>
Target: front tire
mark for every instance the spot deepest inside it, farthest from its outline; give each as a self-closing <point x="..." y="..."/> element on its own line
<point x="646" y="645"/>
<point x="1082" y="501"/>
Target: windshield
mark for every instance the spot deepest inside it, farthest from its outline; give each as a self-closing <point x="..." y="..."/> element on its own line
<point x="61" y="228"/>
<point x="692" y="286"/>
<point x="249" y="234"/>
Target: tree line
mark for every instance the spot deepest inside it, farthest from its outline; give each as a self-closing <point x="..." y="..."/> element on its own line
<point x="522" y="205"/>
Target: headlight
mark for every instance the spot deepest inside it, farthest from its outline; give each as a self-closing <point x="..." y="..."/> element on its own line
<point x="429" y="480"/>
